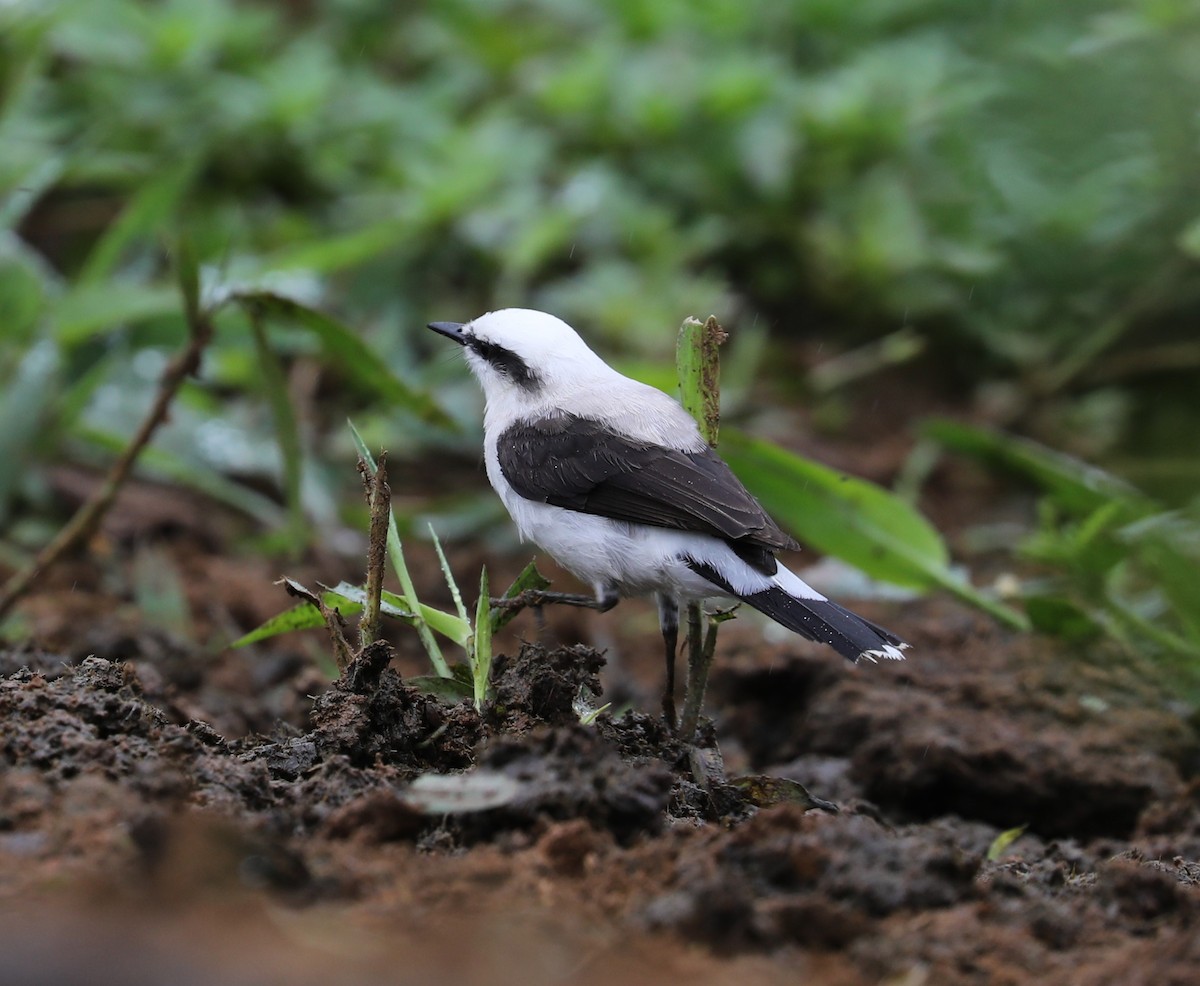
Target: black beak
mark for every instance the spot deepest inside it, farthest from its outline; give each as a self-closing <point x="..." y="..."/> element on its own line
<point x="451" y="330"/>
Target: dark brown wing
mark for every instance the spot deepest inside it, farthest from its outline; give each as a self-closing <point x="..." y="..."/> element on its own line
<point x="581" y="464"/>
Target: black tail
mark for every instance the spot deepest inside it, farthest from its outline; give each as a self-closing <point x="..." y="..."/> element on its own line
<point x="818" y="619"/>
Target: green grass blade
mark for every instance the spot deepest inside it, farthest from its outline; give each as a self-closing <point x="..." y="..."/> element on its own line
<point x="141" y="219"/>
<point x="1001" y="843"/>
<point x="302" y="616"/>
<point x="187" y="273"/>
<point x="449" y="576"/>
<point x="398" y="607"/>
<point x="89" y="310"/>
<point x="447" y="624"/>
<point x="481" y="659"/>
<point x="332" y="253"/>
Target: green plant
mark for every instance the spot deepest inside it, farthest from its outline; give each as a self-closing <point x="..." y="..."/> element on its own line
<point x="1115" y="562"/>
<point x="473" y="637"/>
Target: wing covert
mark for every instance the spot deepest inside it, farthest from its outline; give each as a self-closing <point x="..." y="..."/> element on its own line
<point x="581" y="464"/>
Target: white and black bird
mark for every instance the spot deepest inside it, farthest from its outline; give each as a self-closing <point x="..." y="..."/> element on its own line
<point x="612" y="478"/>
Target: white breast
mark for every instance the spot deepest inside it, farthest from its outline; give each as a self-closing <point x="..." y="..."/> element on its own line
<point x="636" y="558"/>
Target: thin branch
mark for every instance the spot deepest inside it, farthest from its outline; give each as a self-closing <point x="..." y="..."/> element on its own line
<point x="86" y="519"/>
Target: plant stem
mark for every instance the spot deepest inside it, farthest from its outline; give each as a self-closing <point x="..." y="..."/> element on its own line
<point x="80" y="527"/>
<point x="701" y="648"/>
<point x="698" y="364"/>
<point x="379" y="496"/>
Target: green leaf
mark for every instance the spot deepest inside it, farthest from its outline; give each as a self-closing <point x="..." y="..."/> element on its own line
<point x="187" y="271"/>
<point x="88" y="310"/>
<point x="482" y="650"/>
<point x="530" y="578"/>
<point x="853" y="520"/>
<point x="303" y="616"/>
<point x="142" y="217"/>
<point x="398" y="607"/>
<point x="1075" y="485"/>
<point x="1062" y="617"/>
<point x="1001" y="843"/>
<point x="1189" y="239"/>
<point x="330" y="253"/>
<point x="349" y="351"/>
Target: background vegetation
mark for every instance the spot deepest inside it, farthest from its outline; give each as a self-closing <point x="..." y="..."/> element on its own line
<point x="1004" y="195"/>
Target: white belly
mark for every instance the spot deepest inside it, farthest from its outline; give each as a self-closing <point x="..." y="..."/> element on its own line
<point x="634" y="558"/>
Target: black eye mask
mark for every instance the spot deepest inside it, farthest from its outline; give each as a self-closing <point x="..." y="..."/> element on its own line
<point x="505" y="361"/>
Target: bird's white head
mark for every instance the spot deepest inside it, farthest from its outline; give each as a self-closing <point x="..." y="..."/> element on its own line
<point x="522" y="355"/>
<point x="530" y="364"/>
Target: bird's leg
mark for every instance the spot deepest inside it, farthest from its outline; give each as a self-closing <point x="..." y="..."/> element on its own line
<point x="668" y="621"/>
<point x="701" y="648"/>
<point x="605" y="599"/>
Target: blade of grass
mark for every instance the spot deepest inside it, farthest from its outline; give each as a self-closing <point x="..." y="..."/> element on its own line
<point x="394" y="605"/>
<point x="481" y="657"/>
<point x="143" y="216"/>
<point x="449" y="576"/>
<point x="349" y="599"/>
<point x="88" y="310"/>
<point x="300" y="617"/>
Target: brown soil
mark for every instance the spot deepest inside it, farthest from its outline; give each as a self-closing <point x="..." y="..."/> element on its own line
<point x="168" y="813"/>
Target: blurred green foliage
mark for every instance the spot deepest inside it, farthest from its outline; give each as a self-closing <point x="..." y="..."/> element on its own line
<point x="1023" y="172"/>
<point x="1017" y="179"/>
<point x="1114" y="562"/>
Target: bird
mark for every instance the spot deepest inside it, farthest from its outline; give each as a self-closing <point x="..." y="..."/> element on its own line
<point x="612" y="478"/>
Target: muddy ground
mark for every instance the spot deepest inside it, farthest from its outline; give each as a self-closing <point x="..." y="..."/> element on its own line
<point x="175" y="811"/>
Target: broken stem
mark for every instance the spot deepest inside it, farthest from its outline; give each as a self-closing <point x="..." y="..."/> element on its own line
<point x="699" y="368"/>
<point x="334" y="622"/>
<point x="379" y="497"/>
